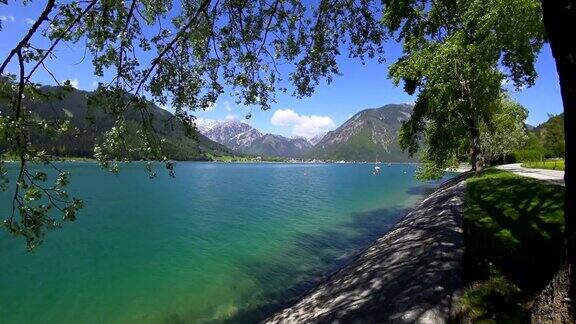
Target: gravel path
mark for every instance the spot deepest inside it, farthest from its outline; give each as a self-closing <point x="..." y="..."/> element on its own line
<point x="410" y="275"/>
<point x="551" y="176"/>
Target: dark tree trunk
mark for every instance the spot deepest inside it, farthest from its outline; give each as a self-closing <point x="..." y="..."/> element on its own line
<point x="476" y="159"/>
<point x="560" y="22"/>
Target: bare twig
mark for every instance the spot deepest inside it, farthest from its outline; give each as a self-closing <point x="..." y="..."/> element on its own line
<point x="51" y="74"/>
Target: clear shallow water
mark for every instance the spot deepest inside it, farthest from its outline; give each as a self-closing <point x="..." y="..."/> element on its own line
<point x="220" y="242"/>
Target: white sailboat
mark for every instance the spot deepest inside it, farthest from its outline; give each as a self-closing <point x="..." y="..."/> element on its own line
<point x="376" y="167"/>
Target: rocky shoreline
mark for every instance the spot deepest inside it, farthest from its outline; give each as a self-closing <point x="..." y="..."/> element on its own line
<point x="411" y="274"/>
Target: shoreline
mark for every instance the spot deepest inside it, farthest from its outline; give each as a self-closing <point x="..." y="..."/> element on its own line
<point x="410" y="274"/>
<point x="219" y="162"/>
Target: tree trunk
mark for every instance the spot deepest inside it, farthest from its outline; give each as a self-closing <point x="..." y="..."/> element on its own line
<point x="560" y="23"/>
<point x="476" y="159"/>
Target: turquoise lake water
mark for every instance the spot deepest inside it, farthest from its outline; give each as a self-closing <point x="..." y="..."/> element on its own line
<point x="220" y="242"/>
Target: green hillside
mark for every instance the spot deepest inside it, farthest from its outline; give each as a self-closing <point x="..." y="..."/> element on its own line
<point x="369" y="135"/>
<point x="544" y="141"/>
<point x="279" y="146"/>
<point x="551" y="135"/>
<point x="90" y="123"/>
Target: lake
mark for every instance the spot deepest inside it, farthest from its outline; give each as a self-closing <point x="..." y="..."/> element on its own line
<point x="220" y="242"/>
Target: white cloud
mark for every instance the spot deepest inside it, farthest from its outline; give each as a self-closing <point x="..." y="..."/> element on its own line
<point x="29" y="21"/>
<point x="227" y="106"/>
<point x="302" y="125"/>
<point x="73" y="82"/>
<point x="94" y="84"/>
<point x="284" y="117"/>
<point x="7" y="18"/>
<point x="231" y="117"/>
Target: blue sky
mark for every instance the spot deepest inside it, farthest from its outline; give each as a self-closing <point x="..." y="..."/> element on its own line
<point x="360" y="86"/>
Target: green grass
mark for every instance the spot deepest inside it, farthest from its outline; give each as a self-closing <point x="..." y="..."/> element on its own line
<point x="513" y="238"/>
<point x="548" y="164"/>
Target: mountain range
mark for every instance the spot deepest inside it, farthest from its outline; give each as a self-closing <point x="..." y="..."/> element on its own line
<point x="371" y="134"/>
<point x="317" y="138"/>
<point x="91" y="122"/>
<point x="243" y="138"/>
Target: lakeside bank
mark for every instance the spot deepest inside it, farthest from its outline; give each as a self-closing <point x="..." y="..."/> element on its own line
<point x="508" y="219"/>
<point x="411" y="274"/>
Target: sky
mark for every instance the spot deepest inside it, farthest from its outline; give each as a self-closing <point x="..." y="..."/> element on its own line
<point x="360" y="86"/>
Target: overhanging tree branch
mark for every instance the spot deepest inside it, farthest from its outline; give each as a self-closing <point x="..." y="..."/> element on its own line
<point x="43" y="16"/>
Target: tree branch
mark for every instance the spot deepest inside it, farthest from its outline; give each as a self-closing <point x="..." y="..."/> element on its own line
<point x="31" y="32"/>
<point x="76" y="20"/>
<point x="158" y="58"/>
<point x="272" y="14"/>
<point x="131" y="11"/>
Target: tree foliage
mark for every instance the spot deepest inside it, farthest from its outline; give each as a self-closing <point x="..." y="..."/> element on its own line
<point x="456" y="54"/>
<point x="184" y="54"/>
<point x="544" y="141"/>
<point x="551" y="133"/>
<point x="532" y="150"/>
<point x="506" y="133"/>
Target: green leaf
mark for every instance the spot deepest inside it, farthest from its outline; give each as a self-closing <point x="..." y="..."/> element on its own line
<point x="33" y="193"/>
<point x="40" y="176"/>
